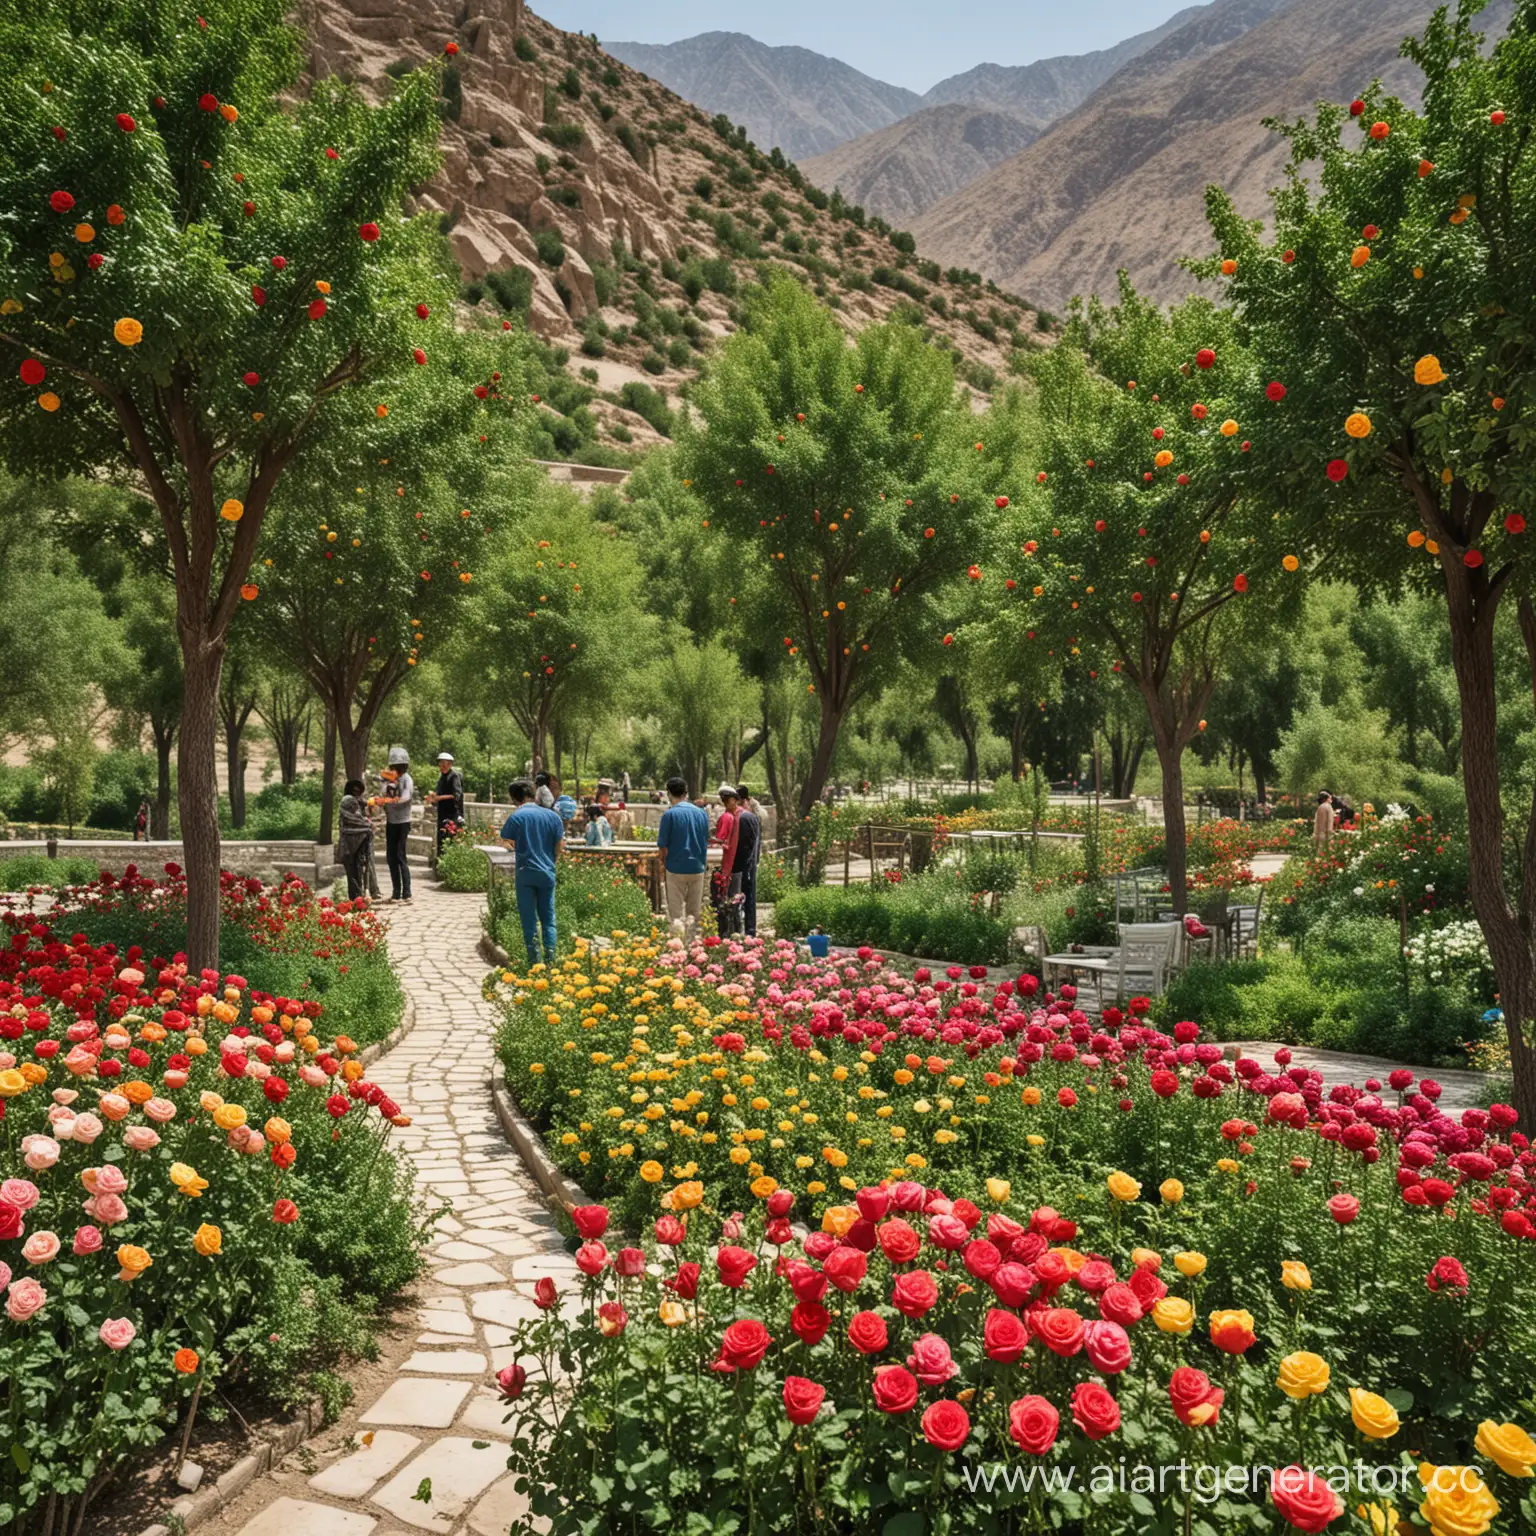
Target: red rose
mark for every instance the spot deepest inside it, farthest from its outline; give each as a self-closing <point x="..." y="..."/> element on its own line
<point x="982" y="1258"/>
<point x="32" y="371"/>
<point x="368" y="232"/>
<point x="419" y="356"/>
<point x="1195" y="1401"/>
<point x="802" y="1399"/>
<point x="591" y="1221"/>
<point x="10" y="1221"/>
<point x="591" y="1258"/>
<point x="1275" y="391"/>
<point x="1304" y="1500"/>
<point x="612" y="1319"/>
<point x="898" y="1242"/>
<point x="1060" y="1329"/>
<point x="1032" y="1424"/>
<point x="867" y="1333"/>
<point x="895" y="1389"/>
<point x="845" y="1268"/>
<point x="544" y="1293"/>
<point x="258" y="295"/>
<point x="1147" y="1288"/>
<point x="780" y="1203"/>
<point x="125" y="122"/>
<point x="670" y="1231"/>
<point x="1120" y="1304"/>
<point x="422" y="311"/>
<point x="685" y="1282"/>
<point x="1094" y="1410"/>
<point x="743" y="1346"/>
<point x="285" y="1212"/>
<point x="208" y="102"/>
<point x="1205" y="358"/>
<point x="915" y="1293"/>
<point x="735" y="1264"/>
<point x="61" y="202"/>
<point x="808" y="1283"/>
<point x="1447" y="1275"/>
<point x="275" y="1089"/>
<point x="946" y="1425"/>
<point x="931" y="1361"/>
<point x="629" y="1262"/>
<point x="316" y="309"/>
<point x="1004" y="1336"/>
<point x="1343" y="1208"/>
<point x="810" y="1321"/>
<point x="337" y="1106"/>
<point x="947" y="1232"/>
<point x="511" y="1379"/>
<point x="1338" y="469"/>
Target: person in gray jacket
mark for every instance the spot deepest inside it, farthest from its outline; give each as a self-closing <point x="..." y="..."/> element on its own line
<point x="399" y="792"/>
<point x="356" y="845"/>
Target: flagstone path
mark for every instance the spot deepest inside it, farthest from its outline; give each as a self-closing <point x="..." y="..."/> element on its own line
<point x="437" y="1427"/>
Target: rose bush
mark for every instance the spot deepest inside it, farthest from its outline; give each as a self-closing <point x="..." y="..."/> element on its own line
<point x="196" y="1185"/>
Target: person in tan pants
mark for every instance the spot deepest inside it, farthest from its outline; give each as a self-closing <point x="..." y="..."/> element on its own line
<point x="682" y="840"/>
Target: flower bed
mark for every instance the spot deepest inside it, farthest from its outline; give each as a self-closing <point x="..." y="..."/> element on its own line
<point x="920" y="1360"/>
<point x="589" y="898"/>
<point x="196" y="1191"/>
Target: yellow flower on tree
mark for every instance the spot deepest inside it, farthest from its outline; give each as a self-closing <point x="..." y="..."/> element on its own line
<point x="187" y="1180"/>
<point x="128" y="331"/>
<point x="652" y="1172"/>
<point x="1303" y="1375"/>
<point x="1508" y="1446"/>
<point x="1190" y="1264"/>
<point x="1123" y="1187"/>
<point x="1294" y="1275"/>
<point x="1173" y="1314"/>
<point x="1171" y="1190"/>
<point x="208" y="1240"/>
<point x="998" y="1190"/>
<point x="1427" y="370"/>
<point x="1357" y="424"/>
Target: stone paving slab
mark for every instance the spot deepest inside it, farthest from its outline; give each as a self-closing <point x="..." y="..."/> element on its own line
<point x="300" y="1517"/>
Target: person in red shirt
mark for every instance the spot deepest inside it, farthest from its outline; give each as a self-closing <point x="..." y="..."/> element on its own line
<point x="726" y="912"/>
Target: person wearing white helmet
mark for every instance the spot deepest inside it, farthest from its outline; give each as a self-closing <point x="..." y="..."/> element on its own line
<point x="448" y="797"/>
<point x="399" y="792"/>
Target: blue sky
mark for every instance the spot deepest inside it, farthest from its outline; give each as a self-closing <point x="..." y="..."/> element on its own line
<point x="914" y="43"/>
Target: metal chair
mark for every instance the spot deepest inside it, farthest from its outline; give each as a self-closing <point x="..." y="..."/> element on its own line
<point x="1147" y="953"/>
<point x="1245" y="927"/>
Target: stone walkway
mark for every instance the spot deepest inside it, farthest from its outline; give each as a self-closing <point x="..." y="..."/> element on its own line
<point x="437" y="1428"/>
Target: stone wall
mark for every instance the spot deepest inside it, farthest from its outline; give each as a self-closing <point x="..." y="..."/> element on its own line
<point x="265" y="860"/>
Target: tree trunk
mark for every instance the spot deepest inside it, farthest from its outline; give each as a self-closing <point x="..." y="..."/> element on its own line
<point x="1016" y="743"/>
<point x="354" y="741"/>
<point x="235" y="761"/>
<point x="328" y="784"/>
<point x="198" y="792"/>
<point x="821" y="763"/>
<point x="160" y="811"/>
<point x="768" y="763"/>
<point x="1472" y="613"/>
<point x="1170" y="757"/>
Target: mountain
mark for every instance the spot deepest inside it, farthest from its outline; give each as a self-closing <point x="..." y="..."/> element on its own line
<point x="1120" y="182"/>
<point x="621" y="224"/>
<point x="905" y="169"/>
<point x="798" y="100"/>
<point x="1041" y="92"/>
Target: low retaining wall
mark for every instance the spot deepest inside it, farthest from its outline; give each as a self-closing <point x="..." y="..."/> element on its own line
<point x="314" y="862"/>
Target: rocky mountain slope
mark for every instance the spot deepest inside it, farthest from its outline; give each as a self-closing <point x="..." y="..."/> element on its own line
<point x="1120" y="182"/>
<point x="902" y="171"/>
<point x="623" y="223"/>
<point x="803" y="102"/>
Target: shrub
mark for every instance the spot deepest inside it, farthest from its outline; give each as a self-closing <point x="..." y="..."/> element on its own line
<point x="511" y="287"/>
<point x="570" y="84"/>
<point x="550" y="246"/>
<point x="648" y="403"/>
<point x="524" y="48"/>
<point x="36" y="870"/>
<point x="459" y="866"/>
<point x="567" y="136"/>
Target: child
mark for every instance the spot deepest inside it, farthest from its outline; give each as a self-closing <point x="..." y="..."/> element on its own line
<point x="599" y="831"/>
<point x="356" y="846"/>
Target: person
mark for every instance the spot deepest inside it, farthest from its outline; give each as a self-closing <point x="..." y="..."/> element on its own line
<point x="399" y="792"/>
<point x="725" y="836"/>
<point x="356" y="844"/>
<point x="564" y="804"/>
<point x="1343" y="812"/>
<point x="534" y="833"/>
<point x="682" y="840"/>
<point x="448" y="797"/>
<point x="141" y="823"/>
<point x="624" y="784"/>
<point x="1322" y="823"/>
<point x="749" y="846"/>
<point x="542" y="793"/>
<point x="749" y="802"/>
<point x="599" y="832"/>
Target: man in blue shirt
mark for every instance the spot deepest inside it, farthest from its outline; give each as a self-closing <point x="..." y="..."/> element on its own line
<point x="534" y="834"/>
<point x="682" y="839"/>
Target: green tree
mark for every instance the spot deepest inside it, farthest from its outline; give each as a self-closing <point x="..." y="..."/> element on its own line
<point x="1145" y="549"/>
<point x="557" y="621"/>
<point x="705" y="704"/>
<point x="845" y="478"/>
<point x="1396" y="302"/>
<point x="203" y="288"/>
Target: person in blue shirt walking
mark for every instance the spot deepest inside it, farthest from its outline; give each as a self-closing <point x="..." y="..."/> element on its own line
<point x="682" y="839"/>
<point x="534" y="834"/>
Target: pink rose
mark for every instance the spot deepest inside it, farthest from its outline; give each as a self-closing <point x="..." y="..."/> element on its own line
<point x="87" y="1128"/>
<point x="141" y="1138"/>
<point x="24" y="1299"/>
<point x="1108" y="1347"/>
<point x="160" y="1110"/>
<point x="22" y="1193"/>
<point x="5" y="1276"/>
<point x="109" y="1180"/>
<point x="930" y="1360"/>
<point x="313" y="1075"/>
<point x="40" y="1247"/>
<point x="87" y="1240"/>
<point x="118" y="1333"/>
<point x="176" y="1078"/>
<point x="107" y="1209"/>
<point x="114" y="1106"/>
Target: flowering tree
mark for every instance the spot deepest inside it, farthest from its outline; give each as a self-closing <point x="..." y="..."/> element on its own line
<point x="1396" y="302"/>
<point x="847" y="478"/>
<point x="1144" y="544"/>
<point x="197" y="287"/>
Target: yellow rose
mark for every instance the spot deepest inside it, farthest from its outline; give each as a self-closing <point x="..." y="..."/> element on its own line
<point x="11" y="1083"/>
<point x="232" y="511"/>
<point x="1035" y="1140"/>
<point x="207" y="1240"/>
<point x="740" y="1155"/>
<point x="764" y="1186"/>
<point x="132" y="1261"/>
<point x="1190" y="1265"/>
<point x="1507" y="1445"/>
<point x="687" y="1196"/>
<point x="187" y="1180"/>
<point x="837" y="1219"/>
<point x="998" y="1190"/>
<point x="49" y="401"/>
<point x="1380" y="1516"/>
<point x="1029" y="1096"/>
<point x="1228" y="1164"/>
<point x="128" y="331"/>
<point x="1428" y="371"/>
<point x="1171" y="1190"/>
<point x="672" y="1313"/>
<point x="229" y="1117"/>
<point x="277" y="1130"/>
<point x="1123" y="1187"/>
<point x="1303" y="1375"/>
<point x="652" y="1172"/>
<point x="1294" y="1275"/>
<point x="1456" y="1501"/>
<point x="1163" y="459"/>
<point x="1229" y="428"/>
<point x="1374" y="1416"/>
<point x="1173" y="1315"/>
<point x="1358" y="424"/>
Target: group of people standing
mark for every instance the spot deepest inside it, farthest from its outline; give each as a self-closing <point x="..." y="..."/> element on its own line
<point x="1333" y="812"/>
<point x="396" y="797"/>
<point x="683" y="840"/>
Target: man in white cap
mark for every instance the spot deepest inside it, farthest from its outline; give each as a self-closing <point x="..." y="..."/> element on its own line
<point x="448" y="797"/>
<point x="399" y="791"/>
